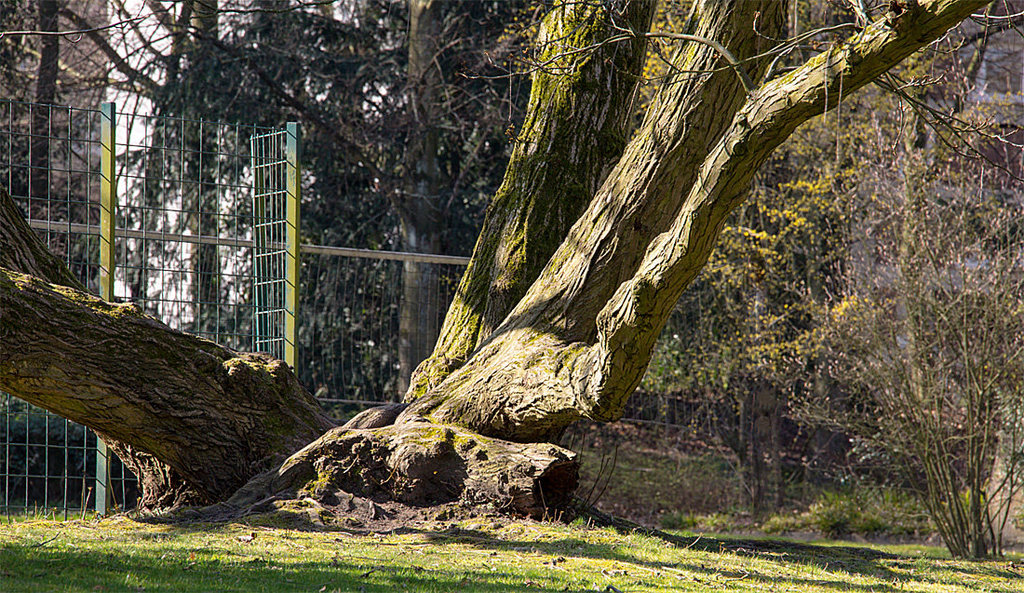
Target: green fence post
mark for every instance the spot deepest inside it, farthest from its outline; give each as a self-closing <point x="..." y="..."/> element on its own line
<point x="293" y="155"/>
<point x="108" y="206"/>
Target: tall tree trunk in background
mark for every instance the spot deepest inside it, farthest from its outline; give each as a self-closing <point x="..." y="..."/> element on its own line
<point x="573" y="345"/>
<point x="419" y="208"/>
<point x="202" y="153"/>
<point x="45" y="95"/>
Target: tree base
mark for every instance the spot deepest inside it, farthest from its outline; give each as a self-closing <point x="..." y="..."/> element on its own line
<point x="365" y="472"/>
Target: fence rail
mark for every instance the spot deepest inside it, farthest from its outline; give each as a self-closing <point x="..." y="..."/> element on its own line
<point x="306" y="248"/>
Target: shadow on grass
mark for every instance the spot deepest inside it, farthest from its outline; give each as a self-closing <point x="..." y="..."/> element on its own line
<point x="35" y="568"/>
<point x="887" y="570"/>
<point x="827" y="564"/>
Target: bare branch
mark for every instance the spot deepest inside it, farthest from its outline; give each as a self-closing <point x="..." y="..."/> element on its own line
<point x="73" y="33"/>
<point x="120" y="62"/>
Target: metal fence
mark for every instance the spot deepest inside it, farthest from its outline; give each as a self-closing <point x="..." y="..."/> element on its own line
<point x="53" y="169"/>
<point x="348" y="338"/>
<point x="196" y="222"/>
<point x="156" y="210"/>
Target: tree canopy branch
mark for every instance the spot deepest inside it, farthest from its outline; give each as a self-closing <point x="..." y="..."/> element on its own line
<point x="631" y="321"/>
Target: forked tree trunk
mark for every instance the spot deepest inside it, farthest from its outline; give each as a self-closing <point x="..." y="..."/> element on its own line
<point x="578" y="342"/>
<point x="557" y="316"/>
<point x="578" y="121"/>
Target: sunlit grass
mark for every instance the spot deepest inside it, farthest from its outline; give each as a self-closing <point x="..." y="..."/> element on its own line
<point x="121" y="554"/>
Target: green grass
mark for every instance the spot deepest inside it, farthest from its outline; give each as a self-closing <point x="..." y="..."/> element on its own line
<point x="120" y="554"/>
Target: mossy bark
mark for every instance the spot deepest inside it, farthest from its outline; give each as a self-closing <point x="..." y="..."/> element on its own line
<point x="193" y="420"/>
<point x="214" y="416"/>
<point x="578" y="120"/>
<point x="418" y="464"/>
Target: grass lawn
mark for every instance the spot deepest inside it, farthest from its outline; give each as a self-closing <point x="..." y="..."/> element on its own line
<point x="120" y="554"/>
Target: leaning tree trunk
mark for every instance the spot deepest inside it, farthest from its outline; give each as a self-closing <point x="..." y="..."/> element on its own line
<point x="573" y="345"/>
<point x="193" y="420"/>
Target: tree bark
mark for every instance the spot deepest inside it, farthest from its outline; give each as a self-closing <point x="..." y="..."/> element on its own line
<point x="416" y="464"/>
<point x="578" y="120"/>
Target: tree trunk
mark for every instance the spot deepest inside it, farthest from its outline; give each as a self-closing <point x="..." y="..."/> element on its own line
<point x="45" y="96"/>
<point x="216" y="417"/>
<point x="574" y="344"/>
<point x="196" y="421"/>
<point x="419" y="209"/>
<point x="577" y="123"/>
<point x="538" y="371"/>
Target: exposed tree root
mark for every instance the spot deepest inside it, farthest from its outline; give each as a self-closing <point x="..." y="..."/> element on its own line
<point x="416" y="464"/>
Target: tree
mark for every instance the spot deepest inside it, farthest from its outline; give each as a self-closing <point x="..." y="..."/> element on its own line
<point x="578" y="266"/>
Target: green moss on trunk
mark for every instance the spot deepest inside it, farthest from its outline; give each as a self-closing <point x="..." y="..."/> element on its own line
<point x="576" y="125"/>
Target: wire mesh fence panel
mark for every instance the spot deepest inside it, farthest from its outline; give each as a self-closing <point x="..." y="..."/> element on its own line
<point x="183" y="250"/>
<point x="270" y="256"/>
<point x="348" y="340"/>
<point x="184" y="246"/>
